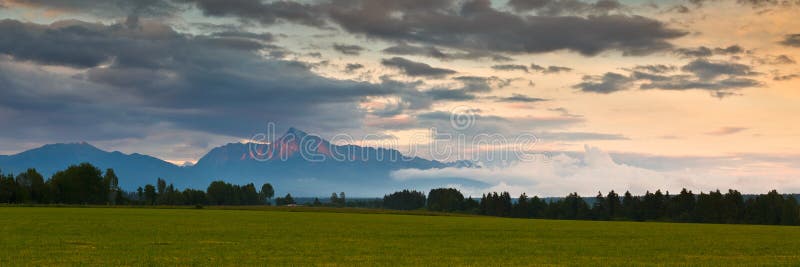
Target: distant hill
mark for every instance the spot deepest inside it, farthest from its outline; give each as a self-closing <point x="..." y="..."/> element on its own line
<point x="297" y="163"/>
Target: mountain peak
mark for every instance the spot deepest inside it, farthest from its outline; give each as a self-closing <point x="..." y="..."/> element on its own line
<point x="70" y="146"/>
<point x="295" y="132"/>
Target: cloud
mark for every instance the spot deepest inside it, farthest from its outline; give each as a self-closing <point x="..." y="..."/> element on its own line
<point x="702" y="51"/>
<point x="791" y="40"/>
<point x="449" y="94"/>
<point x="103" y="8"/>
<point x="266" y="13"/>
<point x="607" y="83"/>
<point x="520" y="98"/>
<point x="707" y="70"/>
<point x="726" y="131"/>
<point x="464" y="25"/>
<point x="593" y="170"/>
<point x="785" y="77"/>
<point x="559" y="175"/>
<point x="413" y="68"/>
<point x="476" y="84"/>
<point x="775" y="60"/>
<point x="493" y="124"/>
<point x="751" y="3"/>
<point x="570" y="7"/>
<point x="718" y="77"/>
<point x="734" y="49"/>
<point x="577" y="136"/>
<point x="510" y="67"/>
<point x="351" y="50"/>
<point x="353" y="67"/>
<point x="406" y="49"/>
<point x="266" y="37"/>
<point x="659" y="68"/>
<point x="120" y="78"/>
<point x="470" y="26"/>
<point x="550" y="69"/>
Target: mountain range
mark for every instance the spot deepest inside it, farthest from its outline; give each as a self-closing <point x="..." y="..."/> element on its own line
<point x="297" y="163"/>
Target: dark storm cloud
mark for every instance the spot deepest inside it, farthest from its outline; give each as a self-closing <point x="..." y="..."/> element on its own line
<point x="719" y="77"/>
<point x="136" y="77"/>
<point x="791" y="40"/>
<point x="520" y="98"/>
<point x="475" y="25"/>
<point x="510" y="67"/>
<point x="85" y="45"/>
<point x="413" y="68"/>
<point x="351" y="50"/>
<point x="550" y="69"/>
<point x="469" y="26"/>
<point x="260" y="11"/>
<point x="25" y="41"/>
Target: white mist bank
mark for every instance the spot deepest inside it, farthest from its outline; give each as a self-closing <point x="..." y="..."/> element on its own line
<point x="596" y="170"/>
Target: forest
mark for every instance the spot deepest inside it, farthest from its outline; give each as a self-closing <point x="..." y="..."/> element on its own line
<point x="86" y="184"/>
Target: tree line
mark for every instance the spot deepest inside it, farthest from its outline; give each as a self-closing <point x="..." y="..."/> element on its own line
<point x="712" y="207"/>
<point x="86" y="184"/>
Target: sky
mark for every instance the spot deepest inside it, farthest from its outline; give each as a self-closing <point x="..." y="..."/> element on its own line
<point x="699" y="93"/>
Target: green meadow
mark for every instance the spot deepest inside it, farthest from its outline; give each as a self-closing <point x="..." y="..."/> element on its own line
<point x="298" y="236"/>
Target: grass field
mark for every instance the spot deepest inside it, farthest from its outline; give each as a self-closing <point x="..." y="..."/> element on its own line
<point x="140" y="236"/>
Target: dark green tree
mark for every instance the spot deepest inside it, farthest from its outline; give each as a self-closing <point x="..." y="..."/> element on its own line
<point x="267" y="192"/>
<point x="613" y="205"/>
<point x="32" y="187"/>
<point x="8" y="188"/>
<point x="79" y="184"/>
<point x="789" y="211"/>
<point x="521" y="209"/>
<point x="404" y="200"/>
<point x="600" y="208"/>
<point x="682" y="206"/>
<point x="733" y="207"/>
<point x="219" y="193"/>
<point x="445" y="199"/>
<point x="150" y="194"/>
